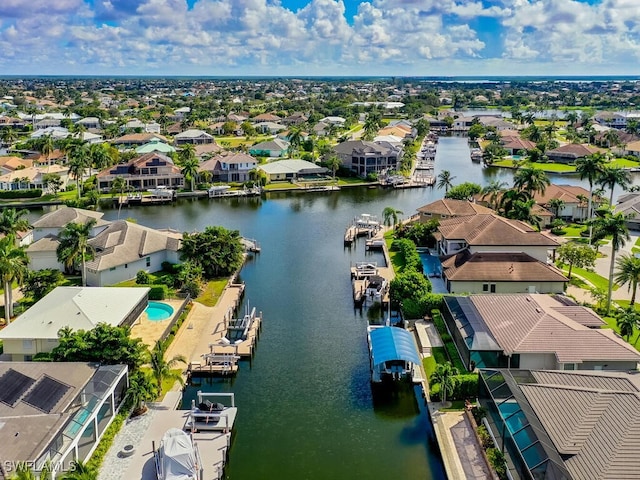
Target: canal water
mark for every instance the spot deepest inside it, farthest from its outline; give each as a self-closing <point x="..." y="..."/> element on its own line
<point x="306" y="405"/>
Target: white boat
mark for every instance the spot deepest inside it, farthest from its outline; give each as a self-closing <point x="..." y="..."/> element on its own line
<point x="219" y="191"/>
<point x="162" y="191"/>
<point x="476" y="155"/>
<point x="367" y="221"/>
<point x="178" y="457"/>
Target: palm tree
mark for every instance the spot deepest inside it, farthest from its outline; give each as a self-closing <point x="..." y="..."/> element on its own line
<point x="78" y="155"/>
<point x="571" y="117"/>
<point x="390" y="216"/>
<point x="591" y="168"/>
<point x="611" y="137"/>
<point x="295" y="140"/>
<point x="161" y="367"/>
<point x="13" y="221"/>
<point x="74" y="246"/>
<point x="372" y="124"/>
<point x="334" y="163"/>
<point x="628" y="320"/>
<point x="13" y="267"/>
<point x="8" y="136"/>
<point x="531" y="180"/>
<point x="493" y="191"/>
<point x="614" y="225"/>
<point x="612" y="176"/>
<point x="141" y="389"/>
<point x="628" y="273"/>
<point x="119" y="186"/>
<point x="99" y="157"/>
<point x="189" y="168"/>
<point x="444" y="375"/>
<point x="47" y="147"/>
<point x="24" y="472"/>
<point x="556" y="204"/>
<point x="445" y="180"/>
<point x="81" y="471"/>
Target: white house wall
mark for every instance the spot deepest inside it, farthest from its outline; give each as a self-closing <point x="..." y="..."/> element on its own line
<point x="538" y="361"/>
<point x="42" y="260"/>
<point x="128" y="271"/>
<point x="507" y="287"/>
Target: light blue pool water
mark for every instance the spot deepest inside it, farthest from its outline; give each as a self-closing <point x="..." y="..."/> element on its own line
<point x="430" y="264"/>
<point x="157" y="311"/>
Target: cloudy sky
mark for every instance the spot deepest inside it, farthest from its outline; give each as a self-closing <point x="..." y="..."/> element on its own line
<point x="320" y="37"/>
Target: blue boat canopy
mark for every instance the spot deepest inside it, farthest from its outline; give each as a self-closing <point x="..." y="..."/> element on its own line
<point x="392" y="343"/>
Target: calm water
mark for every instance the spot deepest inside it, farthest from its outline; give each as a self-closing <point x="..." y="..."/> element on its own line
<point x="307" y="410"/>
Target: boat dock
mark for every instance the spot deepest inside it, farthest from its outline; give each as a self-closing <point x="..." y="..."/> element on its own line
<point x="363" y="226"/>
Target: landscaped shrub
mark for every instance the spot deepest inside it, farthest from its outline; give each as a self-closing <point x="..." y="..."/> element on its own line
<point x="485" y="439"/>
<point x="169" y="267"/>
<point x="466" y="387"/>
<point x="143" y="278"/>
<point x="409" y="254"/>
<point x="418" y="308"/>
<point x="158" y="292"/>
<point x="42" y="357"/>
<point x="107" y="439"/>
<point x="33" y="193"/>
<point x="497" y="462"/>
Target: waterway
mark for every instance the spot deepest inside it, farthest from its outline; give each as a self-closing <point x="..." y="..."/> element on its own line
<point x="307" y="409"/>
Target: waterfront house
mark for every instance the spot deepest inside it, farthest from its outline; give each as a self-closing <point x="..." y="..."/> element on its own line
<point x="364" y="157"/>
<point x="516" y="145"/>
<point x="492" y="233"/>
<point x="533" y="331"/>
<point x="574" y="198"/>
<point x="292" y="170"/>
<point x="78" y="308"/>
<point x="10" y="164"/>
<point x="230" y="167"/>
<point x="272" y="148"/>
<point x="571" y="152"/>
<point x="56" y="412"/>
<point x="147" y="171"/>
<point x="132" y="140"/>
<point x="449" y="208"/>
<point x="497" y="272"/>
<point x="53" y="222"/>
<point x="32" y="178"/>
<point x="398" y="130"/>
<point x="629" y="206"/>
<point x="462" y="123"/>
<point x="194" y="137"/>
<point x="123" y="249"/>
<point x="564" y="425"/>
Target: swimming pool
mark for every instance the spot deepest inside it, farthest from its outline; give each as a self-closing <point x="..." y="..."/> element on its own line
<point x="157" y="311"/>
<point x="430" y="264"/>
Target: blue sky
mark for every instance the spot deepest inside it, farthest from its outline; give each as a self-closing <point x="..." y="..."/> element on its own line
<point x="320" y="37"/>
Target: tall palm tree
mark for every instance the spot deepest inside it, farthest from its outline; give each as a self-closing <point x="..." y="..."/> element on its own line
<point x="47" y="147"/>
<point x="8" y="136"/>
<point x="119" y="186"/>
<point x="295" y="140"/>
<point x="391" y="216"/>
<point x="445" y="180"/>
<point x="493" y="191"/>
<point x="614" y="225"/>
<point x="571" y="117"/>
<point x="372" y="124"/>
<point x="531" y="180"/>
<point x="79" y="161"/>
<point x="628" y="272"/>
<point x="13" y="221"/>
<point x="612" y="176"/>
<point x="612" y="137"/>
<point x="591" y="168"/>
<point x="444" y="375"/>
<point x="161" y="367"/>
<point x="334" y="163"/>
<point x="99" y="157"/>
<point x="74" y="247"/>
<point x="189" y="164"/>
<point x="556" y="204"/>
<point x="13" y="267"/>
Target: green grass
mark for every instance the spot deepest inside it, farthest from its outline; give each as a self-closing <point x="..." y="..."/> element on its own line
<point x="212" y="291"/>
<point x="397" y="260"/>
<point x="438" y="356"/>
<point x="611" y="323"/>
<point x="573" y="230"/>
<point x="596" y="280"/>
<point x="350" y="181"/>
<point x="624" y="163"/>
<point x="234" y="142"/>
<point x="456" y="406"/>
<point x="547" y="167"/>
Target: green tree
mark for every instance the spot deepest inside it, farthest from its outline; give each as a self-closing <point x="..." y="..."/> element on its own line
<point x="52" y="182"/>
<point x="74" y="248"/>
<point x="40" y="282"/>
<point x="445" y="376"/>
<point x="612" y="176"/>
<point x="476" y="131"/>
<point x="494" y="190"/>
<point x="628" y="273"/>
<point x="334" y="162"/>
<point x="372" y="124"/>
<point x="391" y="216"/>
<point x="576" y="255"/>
<point x="13" y="221"/>
<point x="8" y="136"/>
<point x="119" y="186"/>
<point x="409" y="284"/>
<point x="99" y="157"/>
<point x="492" y="153"/>
<point x="628" y="320"/>
<point x="81" y="471"/>
<point x="591" y="168"/>
<point x="614" y="225"/>
<point x="161" y="367"/>
<point x="217" y="250"/>
<point x="464" y="191"/>
<point x="189" y="164"/>
<point x="556" y="204"/>
<point x="445" y="180"/>
<point x="78" y="157"/>
<point x="142" y="388"/>
<point x="531" y="180"/>
<point x="295" y="140"/>
<point x="13" y="267"/>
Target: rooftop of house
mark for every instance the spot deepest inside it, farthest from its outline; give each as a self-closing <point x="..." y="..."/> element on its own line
<point x="576" y="150"/>
<point x="291" y="166"/>
<point x="567" y="193"/>
<point x="499" y="267"/>
<point x="61" y="217"/>
<point x="492" y="229"/>
<point x="80" y="308"/>
<point x="453" y="208"/>
<point x="192" y="133"/>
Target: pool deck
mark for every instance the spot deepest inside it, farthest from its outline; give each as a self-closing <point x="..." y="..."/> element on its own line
<point x="149" y="330"/>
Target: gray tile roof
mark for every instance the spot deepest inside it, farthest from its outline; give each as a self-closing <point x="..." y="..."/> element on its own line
<point x="124" y="242"/>
<point x="48" y="243"/>
<point x="61" y="217"/>
<point x="453" y="208"/>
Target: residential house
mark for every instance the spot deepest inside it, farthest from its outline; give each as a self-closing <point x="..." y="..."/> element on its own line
<point x="132" y="140"/>
<point x="56" y="133"/>
<point x="571" y="152"/>
<point x="56" y="412"/>
<point x="78" y="308"/>
<point x="270" y="128"/>
<point x="498" y="272"/>
<point x="295" y="118"/>
<point x="573" y="197"/>
<point x="155" y="145"/>
<point x="462" y="123"/>
<point x="291" y="170"/>
<point x="564" y="425"/>
<point x="10" y="164"/>
<point x="266" y="117"/>
<point x="46" y="123"/>
<point x="339" y="121"/>
<point x="237" y="118"/>
<point x="52" y="223"/>
<point x="216" y="128"/>
<point x="533" y="331"/>
<point x="181" y="112"/>
<point x="193" y="137"/>
<point x="496" y="122"/>
<point x="140" y="126"/>
<point x="449" y="208"/>
<point x="123" y="249"/>
<point x="516" y="145"/>
<point x="492" y="233"/>
<point x="633" y="148"/>
<point x="33" y="177"/>
<point x="150" y="170"/>
<point x="231" y="167"/>
<point x="90" y="123"/>
<point x="629" y="206"/>
<point x="398" y="130"/>
<point x="272" y="148"/>
<point x="364" y="157"/>
<point x="390" y="139"/>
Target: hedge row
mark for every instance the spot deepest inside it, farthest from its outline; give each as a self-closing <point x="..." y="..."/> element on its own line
<point x="33" y="193"/>
<point x="466" y="386"/>
<point x="158" y="292"/>
<point x="409" y="253"/>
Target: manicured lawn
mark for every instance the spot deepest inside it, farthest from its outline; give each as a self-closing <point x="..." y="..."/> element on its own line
<point x="397" y="260"/>
<point x="350" y="181"/>
<point x="624" y="163"/>
<point x="592" y="277"/>
<point x="212" y="291"/>
<point x="611" y="322"/>
<point x="547" y="167"/>
<point x="456" y="406"/>
<point x="573" y="230"/>
<point x="234" y="142"/>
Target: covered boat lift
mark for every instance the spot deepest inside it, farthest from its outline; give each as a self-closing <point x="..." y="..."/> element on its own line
<point x="392" y="352"/>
